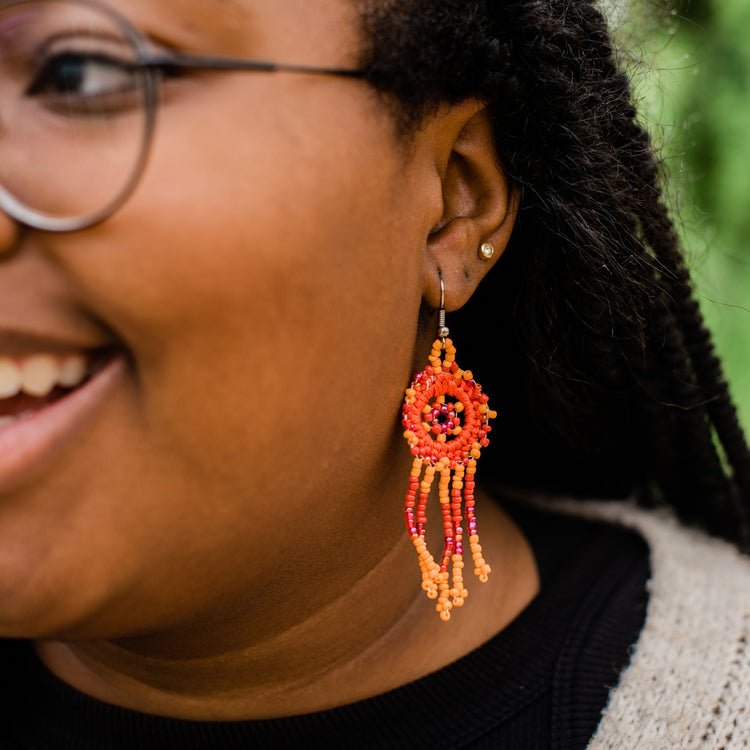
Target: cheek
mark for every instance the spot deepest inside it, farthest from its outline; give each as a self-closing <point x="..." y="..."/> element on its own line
<point x="274" y="320"/>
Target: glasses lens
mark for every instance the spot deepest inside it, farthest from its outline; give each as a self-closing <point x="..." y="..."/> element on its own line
<point x="74" y="111"/>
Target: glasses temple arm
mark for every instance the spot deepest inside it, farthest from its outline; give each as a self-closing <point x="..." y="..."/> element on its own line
<point x="183" y="61"/>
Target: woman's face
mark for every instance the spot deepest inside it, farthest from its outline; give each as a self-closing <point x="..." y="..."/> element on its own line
<point x="261" y="290"/>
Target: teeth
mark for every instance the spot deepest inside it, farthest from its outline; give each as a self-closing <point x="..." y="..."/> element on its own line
<point x="10" y="378"/>
<point x="38" y="374"/>
<point x="72" y="370"/>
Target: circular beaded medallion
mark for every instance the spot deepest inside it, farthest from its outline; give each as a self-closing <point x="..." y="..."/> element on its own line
<point x="445" y="413"/>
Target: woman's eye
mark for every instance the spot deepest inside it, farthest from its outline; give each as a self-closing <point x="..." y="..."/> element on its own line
<point x="80" y="80"/>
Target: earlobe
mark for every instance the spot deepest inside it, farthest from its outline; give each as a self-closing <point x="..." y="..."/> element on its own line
<point x="479" y="207"/>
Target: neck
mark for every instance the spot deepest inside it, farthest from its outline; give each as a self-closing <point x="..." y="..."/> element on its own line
<point x="378" y="634"/>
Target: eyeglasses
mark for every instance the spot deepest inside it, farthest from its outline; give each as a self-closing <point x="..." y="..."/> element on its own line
<point x="79" y="87"/>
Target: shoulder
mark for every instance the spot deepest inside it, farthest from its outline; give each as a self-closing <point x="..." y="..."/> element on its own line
<point x="687" y="682"/>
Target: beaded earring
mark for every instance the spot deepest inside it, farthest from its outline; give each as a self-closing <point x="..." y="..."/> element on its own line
<point x="445" y="419"/>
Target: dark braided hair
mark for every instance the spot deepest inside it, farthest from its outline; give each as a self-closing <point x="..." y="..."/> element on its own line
<point x="586" y="333"/>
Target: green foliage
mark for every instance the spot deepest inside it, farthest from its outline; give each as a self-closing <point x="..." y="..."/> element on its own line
<point x="692" y="74"/>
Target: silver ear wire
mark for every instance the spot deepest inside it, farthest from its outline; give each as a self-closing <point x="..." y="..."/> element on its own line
<point x="443" y="330"/>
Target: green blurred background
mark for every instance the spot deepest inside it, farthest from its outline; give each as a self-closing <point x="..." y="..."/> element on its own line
<point x="690" y="63"/>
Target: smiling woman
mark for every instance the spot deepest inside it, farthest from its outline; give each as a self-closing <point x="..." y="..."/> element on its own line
<point x="228" y="241"/>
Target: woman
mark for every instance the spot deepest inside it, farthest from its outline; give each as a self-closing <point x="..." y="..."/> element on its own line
<point x="206" y="331"/>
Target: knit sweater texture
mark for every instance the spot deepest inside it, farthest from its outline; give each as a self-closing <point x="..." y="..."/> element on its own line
<point x="688" y="682"/>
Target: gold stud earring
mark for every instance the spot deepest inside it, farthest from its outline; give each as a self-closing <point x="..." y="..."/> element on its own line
<point x="487" y="251"/>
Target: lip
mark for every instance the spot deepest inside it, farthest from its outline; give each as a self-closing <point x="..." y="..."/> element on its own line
<point x="31" y="443"/>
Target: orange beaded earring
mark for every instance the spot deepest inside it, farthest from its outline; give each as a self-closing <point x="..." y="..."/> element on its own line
<point x="445" y="419"/>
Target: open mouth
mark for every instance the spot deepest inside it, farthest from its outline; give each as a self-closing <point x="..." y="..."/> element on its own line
<point x="29" y="383"/>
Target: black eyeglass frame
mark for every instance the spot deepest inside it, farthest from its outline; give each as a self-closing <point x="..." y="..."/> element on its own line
<point x="152" y="63"/>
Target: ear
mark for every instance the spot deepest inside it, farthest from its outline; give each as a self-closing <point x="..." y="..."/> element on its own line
<point x="479" y="205"/>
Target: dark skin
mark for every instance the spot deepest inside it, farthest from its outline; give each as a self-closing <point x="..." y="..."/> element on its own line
<point x="252" y="569"/>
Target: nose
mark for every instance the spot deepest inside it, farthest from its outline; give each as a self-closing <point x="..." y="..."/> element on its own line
<point x="10" y="231"/>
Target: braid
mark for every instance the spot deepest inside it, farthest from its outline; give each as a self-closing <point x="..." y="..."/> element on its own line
<point x="705" y="370"/>
<point x="712" y="387"/>
<point x="701" y="387"/>
<point x="609" y="373"/>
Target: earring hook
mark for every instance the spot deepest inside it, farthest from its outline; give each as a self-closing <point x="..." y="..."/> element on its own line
<point x="443" y="330"/>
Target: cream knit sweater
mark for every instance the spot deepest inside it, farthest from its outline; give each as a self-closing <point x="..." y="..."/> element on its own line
<point x="688" y="682"/>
